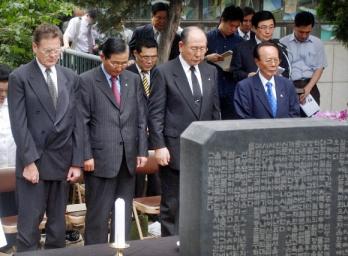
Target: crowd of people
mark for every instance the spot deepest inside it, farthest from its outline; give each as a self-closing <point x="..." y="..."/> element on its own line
<point x="102" y="123"/>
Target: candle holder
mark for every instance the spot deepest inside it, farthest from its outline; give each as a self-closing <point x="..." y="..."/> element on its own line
<point x="119" y="249"/>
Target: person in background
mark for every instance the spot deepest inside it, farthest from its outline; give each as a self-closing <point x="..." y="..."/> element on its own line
<point x="266" y="94"/>
<point x="244" y="30"/>
<point x="154" y="30"/>
<point x="145" y="61"/>
<point x="243" y="64"/>
<point x="80" y="33"/>
<point x="7" y="144"/>
<point x="7" y="151"/>
<point x="222" y="39"/>
<point x="307" y="56"/>
<point x="114" y="116"/>
<point x="184" y="90"/>
<point x="42" y="100"/>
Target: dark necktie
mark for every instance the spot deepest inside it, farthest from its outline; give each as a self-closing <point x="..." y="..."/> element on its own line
<point x="115" y="90"/>
<point x="146" y="83"/>
<point x="271" y="99"/>
<point x="245" y="37"/>
<point x="196" y="90"/>
<point x="51" y="87"/>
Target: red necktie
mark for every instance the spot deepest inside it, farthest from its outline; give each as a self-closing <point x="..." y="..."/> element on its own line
<point x="115" y="90"/>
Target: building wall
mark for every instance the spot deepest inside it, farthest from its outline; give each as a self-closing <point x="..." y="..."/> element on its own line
<point x="333" y="84"/>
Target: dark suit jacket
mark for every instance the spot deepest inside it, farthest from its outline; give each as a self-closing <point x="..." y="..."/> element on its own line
<point x="133" y="68"/>
<point x="50" y="138"/>
<point x="111" y="131"/>
<point x="243" y="61"/>
<point x="250" y="99"/>
<point x="171" y="105"/>
<point x="146" y="32"/>
<point x="252" y="35"/>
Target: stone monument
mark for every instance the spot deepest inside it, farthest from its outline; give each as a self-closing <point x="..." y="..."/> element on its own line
<point x="264" y="187"/>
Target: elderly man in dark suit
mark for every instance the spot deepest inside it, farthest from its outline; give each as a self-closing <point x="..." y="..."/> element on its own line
<point x="184" y="90"/>
<point x="114" y="116"/>
<point x="42" y="101"/>
<point x="266" y="95"/>
<point x="154" y="30"/>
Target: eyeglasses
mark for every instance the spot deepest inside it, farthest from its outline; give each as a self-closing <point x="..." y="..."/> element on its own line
<point x="148" y="58"/>
<point x="266" y="27"/>
<point x="117" y="64"/>
<point x="199" y="49"/>
<point x="49" y="51"/>
<point x="271" y="61"/>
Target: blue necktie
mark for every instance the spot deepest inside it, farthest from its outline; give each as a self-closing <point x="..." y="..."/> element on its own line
<point x="271" y="99"/>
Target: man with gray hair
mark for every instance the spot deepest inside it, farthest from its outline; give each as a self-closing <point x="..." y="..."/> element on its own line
<point x="42" y="100"/>
<point x="184" y="90"/>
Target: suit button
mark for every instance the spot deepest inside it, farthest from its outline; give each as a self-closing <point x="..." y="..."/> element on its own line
<point x="43" y="132"/>
<point x="121" y="143"/>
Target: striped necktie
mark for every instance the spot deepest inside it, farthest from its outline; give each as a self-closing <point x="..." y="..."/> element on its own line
<point x="146" y="83"/>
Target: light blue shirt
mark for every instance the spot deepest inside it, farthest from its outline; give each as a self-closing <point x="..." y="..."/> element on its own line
<point x="305" y="57"/>
<point x="108" y="78"/>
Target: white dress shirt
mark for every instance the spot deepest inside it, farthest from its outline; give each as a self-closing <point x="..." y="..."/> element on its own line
<point x="53" y="74"/>
<point x="7" y="144"/>
<point x="187" y="70"/>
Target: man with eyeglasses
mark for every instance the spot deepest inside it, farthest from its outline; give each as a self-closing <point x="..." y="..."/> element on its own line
<point x="154" y="30"/>
<point x="222" y="39"/>
<point x="243" y="64"/>
<point x="266" y="95"/>
<point x="184" y="90"/>
<point x="115" y="140"/>
<point x="45" y="124"/>
<point x="145" y="60"/>
<point x="307" y="56"/>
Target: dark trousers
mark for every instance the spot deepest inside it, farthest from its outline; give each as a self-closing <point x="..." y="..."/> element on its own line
<point x="169" y="210"/>
<point x="152" y="188"/>
<point x="101" y="194"/>
<point x="33" y="201"/>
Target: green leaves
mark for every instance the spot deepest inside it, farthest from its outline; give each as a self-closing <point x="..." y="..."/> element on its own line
<point x="18" y="20"/>
<point x="336" y="12"/>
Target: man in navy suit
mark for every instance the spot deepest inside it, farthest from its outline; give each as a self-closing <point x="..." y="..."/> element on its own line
<point x="266" y="95"/>
<point x="154" y="30"/>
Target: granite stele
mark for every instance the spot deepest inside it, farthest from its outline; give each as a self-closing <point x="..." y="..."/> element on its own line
<point x="264" y="187"/>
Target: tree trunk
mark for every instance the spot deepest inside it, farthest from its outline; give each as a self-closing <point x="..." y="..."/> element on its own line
<point x="166" y="39"/>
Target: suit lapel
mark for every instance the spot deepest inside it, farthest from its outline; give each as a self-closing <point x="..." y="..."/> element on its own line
<point x="280" y="91"/>
<point x="206" y="86"/>
<point x="124" y="89"/>
<point x="104" y="86"/>
<point x="183" y="85"/>
<point x="40" y="88"/>
<point x="260" y="93"/>
<point x="63" y="95"/>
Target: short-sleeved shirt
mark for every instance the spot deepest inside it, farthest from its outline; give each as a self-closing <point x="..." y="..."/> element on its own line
<point x="81" y="33"/>
<point x="305" y="57"/>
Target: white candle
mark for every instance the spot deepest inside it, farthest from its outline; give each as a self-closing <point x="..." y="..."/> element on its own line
<point x="120" y="223"/>
<point x="2" y="236"/>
